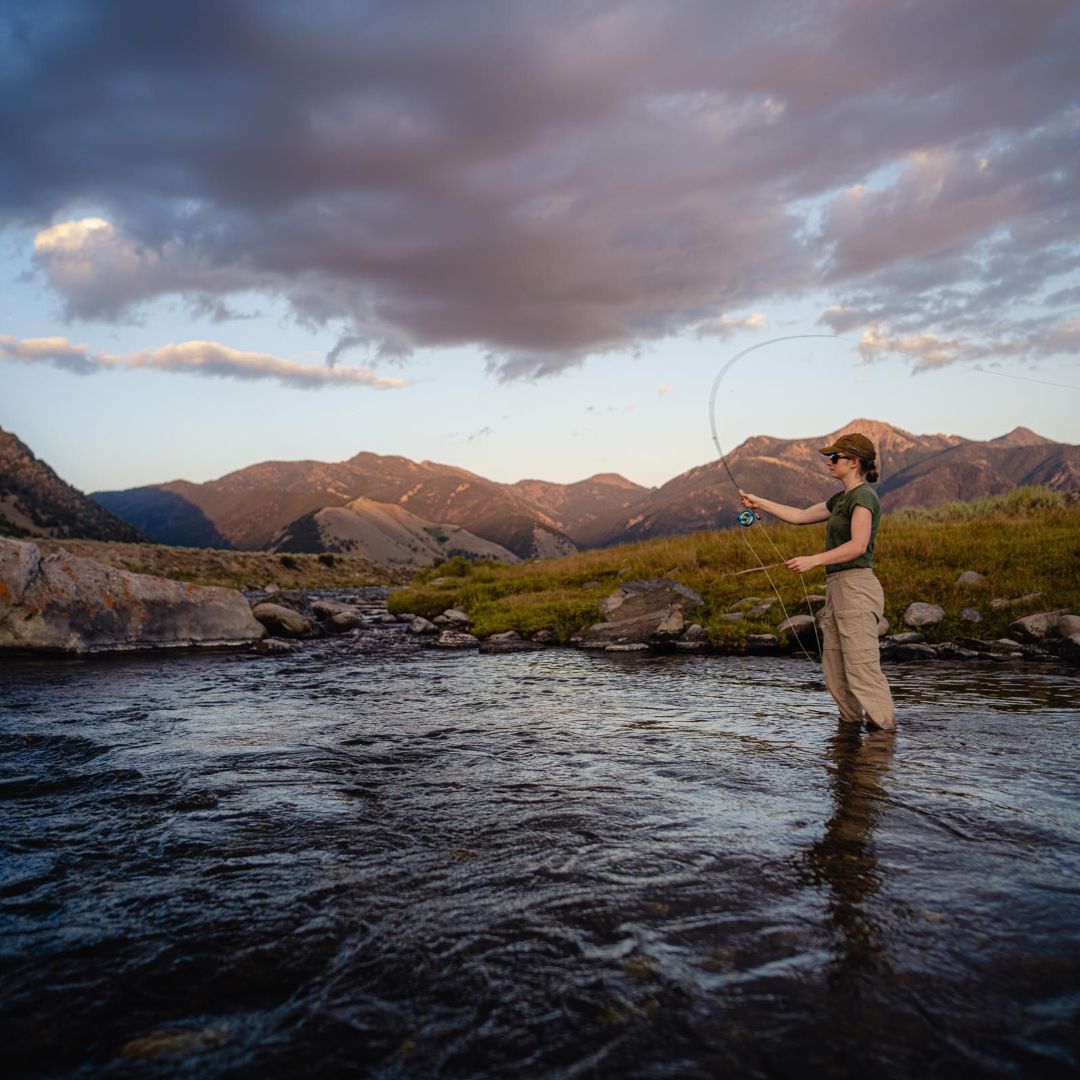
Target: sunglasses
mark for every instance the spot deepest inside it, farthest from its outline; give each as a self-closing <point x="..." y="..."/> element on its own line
<point x="834" y="458"/>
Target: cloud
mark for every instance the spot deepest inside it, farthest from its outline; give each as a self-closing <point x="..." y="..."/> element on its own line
<point x="206" y="358"/>
<point x="548" y="182"/>
<point x="723" y="326"/>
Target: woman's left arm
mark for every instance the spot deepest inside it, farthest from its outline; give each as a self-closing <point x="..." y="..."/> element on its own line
<point x="861" y="522"/>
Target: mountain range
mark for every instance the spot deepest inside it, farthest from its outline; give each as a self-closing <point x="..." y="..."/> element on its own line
<point x="393" y="509"/>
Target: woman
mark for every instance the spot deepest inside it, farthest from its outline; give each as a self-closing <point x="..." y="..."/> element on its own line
<point x="853" y="598"/>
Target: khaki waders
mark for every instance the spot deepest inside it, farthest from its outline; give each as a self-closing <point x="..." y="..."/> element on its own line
<point x="851" y="658"/>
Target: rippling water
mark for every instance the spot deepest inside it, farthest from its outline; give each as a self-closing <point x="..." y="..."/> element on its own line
<point x="424" y="864"/>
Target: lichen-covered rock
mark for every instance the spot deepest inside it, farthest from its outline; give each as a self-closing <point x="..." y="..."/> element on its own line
<point x="969" y="614"/>
<point x="920" y="614"/>
<point x="61" y="603"/>
<point x="970" y="577"/>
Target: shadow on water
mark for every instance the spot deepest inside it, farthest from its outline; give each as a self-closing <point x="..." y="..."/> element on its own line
<point x="413" y="865"/>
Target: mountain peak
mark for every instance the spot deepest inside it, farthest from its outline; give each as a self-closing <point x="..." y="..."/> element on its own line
<point x="1021" y="436"/>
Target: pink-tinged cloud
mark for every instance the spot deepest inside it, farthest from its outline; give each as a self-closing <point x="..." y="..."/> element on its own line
<point x="550" y="181"/>
<point x="204" y="358"/>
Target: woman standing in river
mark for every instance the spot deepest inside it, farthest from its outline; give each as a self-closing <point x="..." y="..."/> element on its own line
<point x="853" y="598"/>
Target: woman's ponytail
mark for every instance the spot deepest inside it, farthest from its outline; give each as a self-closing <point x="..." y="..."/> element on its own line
<point x="868" y="467"/>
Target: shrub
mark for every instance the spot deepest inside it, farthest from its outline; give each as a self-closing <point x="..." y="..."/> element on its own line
<point x="326" y="559"/>
<point x="289" y="562"/>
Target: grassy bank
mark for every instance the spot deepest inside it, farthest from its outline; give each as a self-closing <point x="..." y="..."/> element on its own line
<point x="1028" y="542"/>
<point x="234" y="569"/>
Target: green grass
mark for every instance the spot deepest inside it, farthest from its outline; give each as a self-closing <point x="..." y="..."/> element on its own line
<point x="1026" y="542"/>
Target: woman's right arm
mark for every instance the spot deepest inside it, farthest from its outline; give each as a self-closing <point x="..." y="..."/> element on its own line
<point x="791" y="514"/>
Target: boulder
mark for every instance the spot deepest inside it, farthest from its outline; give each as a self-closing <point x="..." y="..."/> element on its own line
<point x="798" y="628"/>
<point x="324" y="609"/>
<point x="456" y="615"/>
<point x="343" y="621"/>
<point x="812" y="602"/>
<point x="732" y="616"/>
<point x="1038" y="626"/>
<point x="970" y="577"/>
<point x="909" y="637"/>
<point x="283" y="621"/>
<point x="1069" y="627"/>
<point x="919" y="614"/>
<point x="508" y="642"/>
<point x="642" y="612"/>
<point x="695" y="632"/>
<point x="456" y="639"/>
<point x="545" y="637"/>
<point x="762" y="643"/>
<point x="969" y="614"/>
<point x="882" y="626"/>
<point x="758" y="610"/>
<point x="420" y="625"/>
<point x="61" y="603"/>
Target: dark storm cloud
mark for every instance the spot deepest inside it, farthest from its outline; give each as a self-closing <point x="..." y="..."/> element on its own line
<point x="547" y="181"/>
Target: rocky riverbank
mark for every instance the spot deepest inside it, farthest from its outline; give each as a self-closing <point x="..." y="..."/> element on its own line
<point x="59" y="603"/>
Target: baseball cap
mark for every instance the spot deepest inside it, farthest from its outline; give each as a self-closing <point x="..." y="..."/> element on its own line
<point x="856" y="445"/>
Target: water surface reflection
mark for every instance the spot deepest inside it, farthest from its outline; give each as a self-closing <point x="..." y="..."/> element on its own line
<point x="537" y="864"/>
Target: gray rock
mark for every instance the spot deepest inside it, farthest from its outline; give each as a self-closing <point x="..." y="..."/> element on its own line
<point x="695" y="632"/>
<point x="343" y="622"/>
<point x="969" y="614"/>
<point x="283" y="621"/>
<point x="799" y="628"/>
<point x="633" y="646"/>
<point x="545" y="637"/>
<point x="639" y="612"/>
<point x="507" y="642"/>
<point x="812" y="603"/>
<point x="271" y="589"/>
<point x="970" y="577"/>
<point x="914" y="651"/>
<point x="273" y="646"/>
<point x="758" y="610"/>
<point x="456" y="639"/>
<point x="732" y="616"/>
<point x="1069" y="627"/>
<point x="909" y="637"/>
<point x="1038" y="626"/>
<point x="882" y="626"/>
<point x="762" y="643"/>
<point x="919" y="614"/>
<point x="324" y="609"/>
<point x="420" y="625"/>
<point x="61" y="603"/>
<point x="691" y="646"/>
<point x="1000" y="602"/>
<point x="949" y="650"/>
<point x="456" y="615"/>
<point x="746" y="602"/>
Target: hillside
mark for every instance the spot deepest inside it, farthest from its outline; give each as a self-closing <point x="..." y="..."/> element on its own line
<point x="385" y="534"/>
<point x="35" y="502"/>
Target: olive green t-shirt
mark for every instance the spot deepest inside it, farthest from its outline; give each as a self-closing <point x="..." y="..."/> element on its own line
<point x="838" y="530"/>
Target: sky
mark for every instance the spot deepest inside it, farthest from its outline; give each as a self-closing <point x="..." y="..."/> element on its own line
<point x="524" y="238"/>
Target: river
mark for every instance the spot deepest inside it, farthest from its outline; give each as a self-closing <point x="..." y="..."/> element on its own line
<point x="397" y="862"/>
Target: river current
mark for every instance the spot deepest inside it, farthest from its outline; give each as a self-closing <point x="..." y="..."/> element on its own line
<point x="399" y="862"/>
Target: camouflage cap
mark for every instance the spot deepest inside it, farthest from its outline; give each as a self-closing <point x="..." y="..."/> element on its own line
<point x="854" y="444"/>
